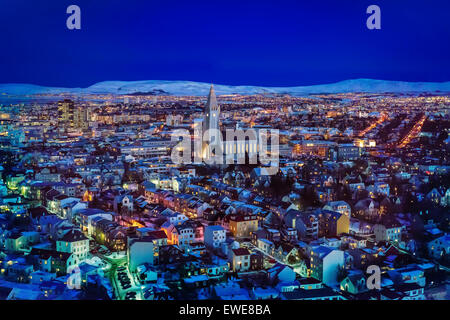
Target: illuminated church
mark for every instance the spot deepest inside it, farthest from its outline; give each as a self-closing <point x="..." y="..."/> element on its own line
<point x="212" y="112"/>
<point x="216" y="141"/>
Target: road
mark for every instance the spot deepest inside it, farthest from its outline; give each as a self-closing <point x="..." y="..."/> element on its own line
<point x="413" y="133"/>
<point x="115" y="262"/>
<point x="119" y="291"/>
<point x="380" y="120"/>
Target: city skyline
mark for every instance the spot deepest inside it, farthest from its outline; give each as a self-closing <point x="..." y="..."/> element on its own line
<point x="353" y="206"/>
<point x="284" y="151"/>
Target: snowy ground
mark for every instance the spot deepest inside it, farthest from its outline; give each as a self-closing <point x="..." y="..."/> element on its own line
<point x="181" y="88"/>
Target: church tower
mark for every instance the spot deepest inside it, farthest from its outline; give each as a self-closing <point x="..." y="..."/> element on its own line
<point x="212" y="111"/>
<point x="211" y="122"/>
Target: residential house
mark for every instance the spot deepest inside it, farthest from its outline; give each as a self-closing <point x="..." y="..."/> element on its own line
<point x="388" y="231"/>
<point x="215" y="236"/>
<point x="241" y="226"/>
<point x="240" y="259"/>
<point x="339" y="206"/>
<point x="439" y="247"/>
<point x="354" y="283"/>
<point x="76" y="243"/>
<point x="326" y="263"/>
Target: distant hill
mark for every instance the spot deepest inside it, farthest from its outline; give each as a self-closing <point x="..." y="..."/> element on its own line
<point x="180" y="88"/>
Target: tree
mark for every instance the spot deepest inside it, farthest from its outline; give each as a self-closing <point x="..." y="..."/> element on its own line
<point x="309" y="197"/>
<point x="410" y="203"/>
<point x="294" y="258"/>
<point x="279" y="185"/>
<point x="343" y="192"/>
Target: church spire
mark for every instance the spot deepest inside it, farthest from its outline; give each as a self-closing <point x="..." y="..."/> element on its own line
<point x="212" y="101"/>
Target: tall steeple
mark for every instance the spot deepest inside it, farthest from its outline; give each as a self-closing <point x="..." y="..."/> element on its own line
<point x="212" y="111"/>
<point x="212" y="101"/>
<point x="211" y="125"/>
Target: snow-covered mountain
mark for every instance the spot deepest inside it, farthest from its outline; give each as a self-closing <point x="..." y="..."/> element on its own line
<point x="180" y="88"/>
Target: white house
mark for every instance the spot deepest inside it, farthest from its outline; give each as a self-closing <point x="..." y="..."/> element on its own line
<point x="325" y="263"/>
<point x="140" y="251"/>
<point x="173" y="217"/>
<point x="240" y="259"/>
<point x="266" y="245"/>
<point x="71" y="207"/>
<point x="214" y="236"/>
<point x="439" y="246"/>
<point x="74" y="242"/>
<point x="387" y="232"/>
<point x="123" y="201"/>
<point x="339" y="206"/>
<point x="281" y="273"/>
<point x="86" y="216"/>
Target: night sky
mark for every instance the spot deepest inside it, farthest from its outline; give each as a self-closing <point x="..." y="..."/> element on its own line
<point x="236" y="42"/>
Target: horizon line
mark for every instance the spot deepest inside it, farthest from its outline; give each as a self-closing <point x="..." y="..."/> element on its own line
<point x="219" y="84"/>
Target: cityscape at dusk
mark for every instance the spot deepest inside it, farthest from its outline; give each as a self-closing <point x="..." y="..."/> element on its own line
<point x="246" y="153"/>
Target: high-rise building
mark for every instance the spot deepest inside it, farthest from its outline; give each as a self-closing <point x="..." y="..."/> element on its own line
<point x="81" y="117"/>
<point x="71" y="116"/>
<point x="65" y="110"/>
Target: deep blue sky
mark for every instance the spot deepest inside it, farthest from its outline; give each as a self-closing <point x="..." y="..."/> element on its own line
<point x="272" y="43"/>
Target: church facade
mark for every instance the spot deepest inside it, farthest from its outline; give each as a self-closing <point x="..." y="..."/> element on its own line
<point x="221" y="146"/>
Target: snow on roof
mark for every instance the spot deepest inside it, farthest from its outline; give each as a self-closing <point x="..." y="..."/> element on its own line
<point x="24" y="294"/>
<point x="426" y="265"/>
<point x="194" y="279"/>
<point x="434" y="231"/>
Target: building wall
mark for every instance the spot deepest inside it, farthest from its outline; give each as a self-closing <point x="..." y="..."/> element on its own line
<point x="79" y="249"/>
<point x="140" y="253"/>
<point x="343" y="225"/>
<point x="331" y="263"/>
<point x="241" y="263"/>
<point x="243" y="228"/>
<point x="214" y="238"/>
